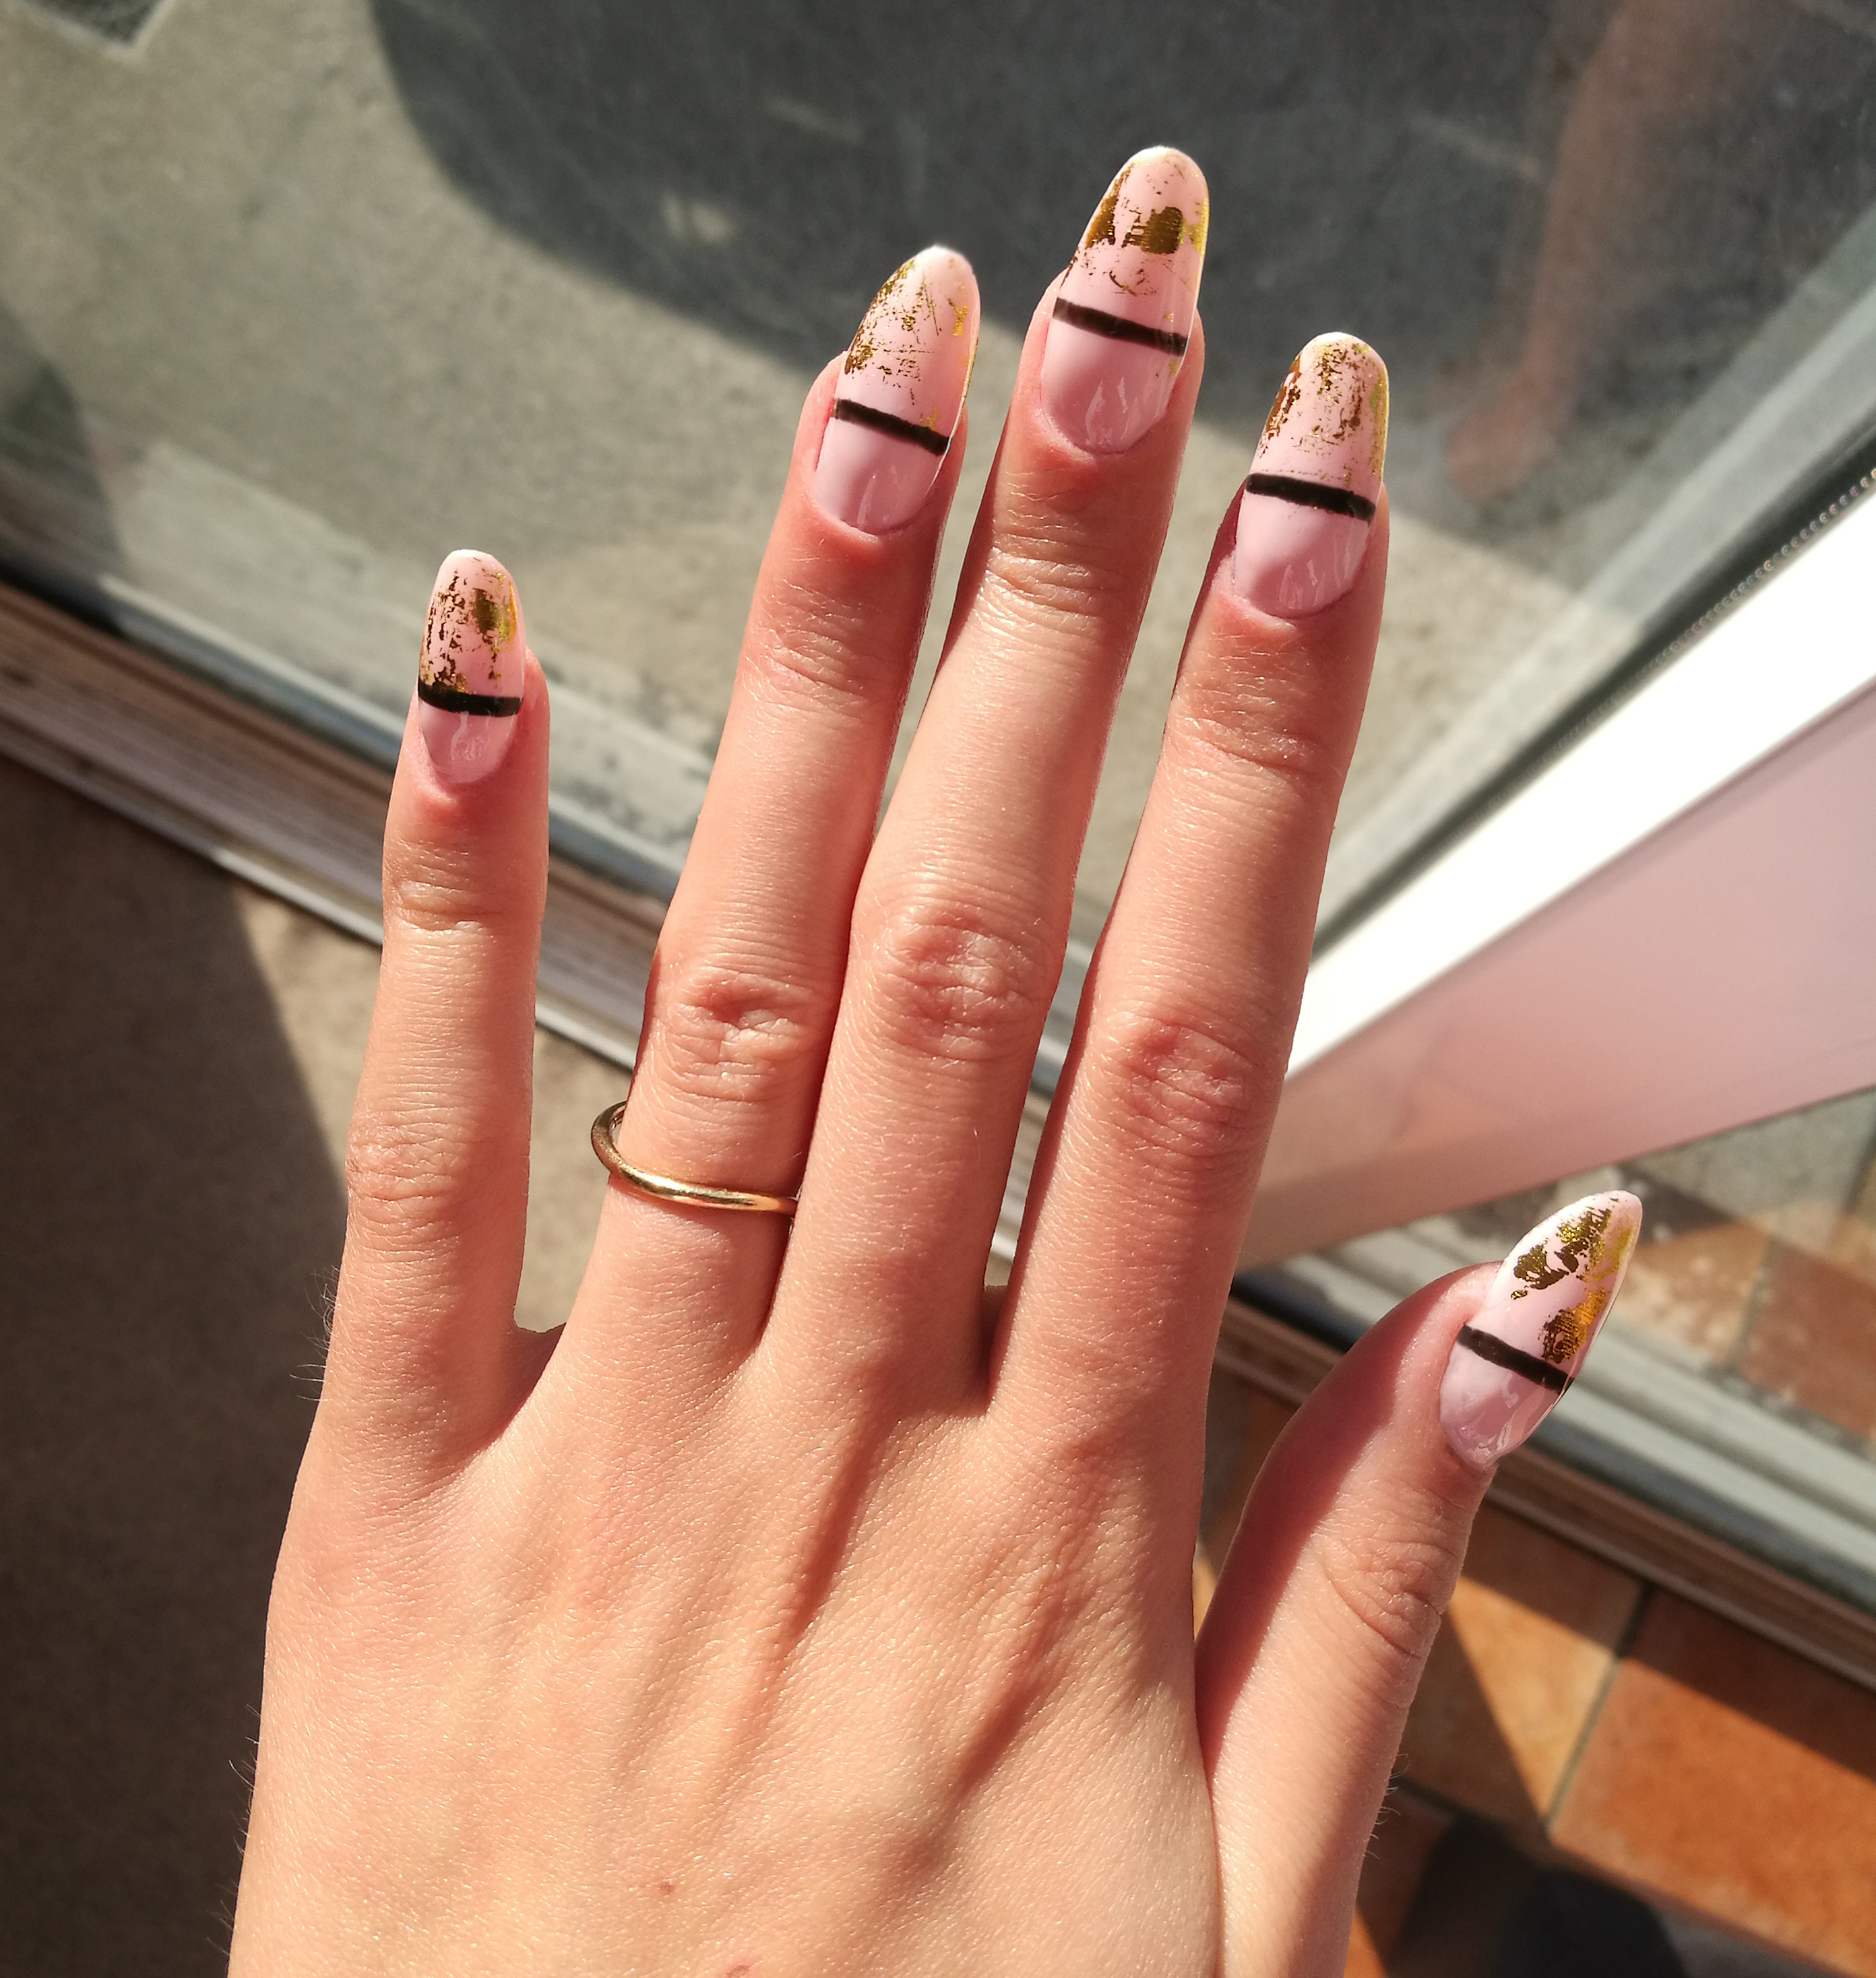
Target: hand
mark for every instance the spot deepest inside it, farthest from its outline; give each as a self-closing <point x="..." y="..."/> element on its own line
<point x="798" y="1608"/>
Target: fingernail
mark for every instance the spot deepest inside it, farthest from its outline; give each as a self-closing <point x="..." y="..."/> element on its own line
<point x="1511" y="1367"/>
<point x="1123" y="313"/>
<point x="900" y="393"/>
<point x="1309" y="500"/>
<point x="469" y="673"/>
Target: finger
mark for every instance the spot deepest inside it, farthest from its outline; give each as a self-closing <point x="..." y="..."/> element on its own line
<point x="424" y="1344"/>
<point x="1139" y="1198"/>
<point x="959" y="928"/>
<point x="1314" y="1642"/>
<point x="1344" y="1562"/>
<point x="752" y="955"/>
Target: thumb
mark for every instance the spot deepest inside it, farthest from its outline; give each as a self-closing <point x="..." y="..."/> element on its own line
<point x="1313" y="1643"/>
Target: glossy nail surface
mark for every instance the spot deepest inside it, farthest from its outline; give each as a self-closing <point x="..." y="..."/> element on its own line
<point x="901" y="390"/>
<point x="1309" y="502"/>
<point x="470" y="671"/>
<point x="1511" y="1366"/>
<point x="1124" y="312"/>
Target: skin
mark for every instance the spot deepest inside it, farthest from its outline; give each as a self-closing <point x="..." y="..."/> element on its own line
<point x="797" y="1608"/>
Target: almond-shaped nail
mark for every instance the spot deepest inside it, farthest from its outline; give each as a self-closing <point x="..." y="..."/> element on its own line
<point x="1123" y="313"/>
<point x="1308" y="501"/>
<point x="1511" y="1366"/>
<point x="901" y="390"/>
<point x="471" y="670"/>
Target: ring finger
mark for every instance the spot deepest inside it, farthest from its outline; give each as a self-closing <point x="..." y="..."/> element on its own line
<point x="749" y="963"/>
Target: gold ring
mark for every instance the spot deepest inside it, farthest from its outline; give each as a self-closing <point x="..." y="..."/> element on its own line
<point x="663" y="1188"/>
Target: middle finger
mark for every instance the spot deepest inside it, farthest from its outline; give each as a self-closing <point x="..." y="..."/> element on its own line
<point x="962" y="915"/>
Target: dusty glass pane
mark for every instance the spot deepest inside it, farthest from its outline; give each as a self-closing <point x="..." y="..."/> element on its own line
<point x="296" y="297"/>
<point x="1735" y="1378"/>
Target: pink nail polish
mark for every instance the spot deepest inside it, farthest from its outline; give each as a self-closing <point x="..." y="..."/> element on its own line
<point x="1309" y="499"/>
<point x="900" y="393"/>
<point x="469" y="673"/>
<point x="1510" y="1368"/>
<point x="1123" y="313"/>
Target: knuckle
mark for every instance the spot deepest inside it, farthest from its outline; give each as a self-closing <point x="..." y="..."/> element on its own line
<point x="1256" y="720"/>
<point x="725" y="1032"/>
<point x="425" y="904"/>
<point x="956" y="980"/>
<point x="1393" y="1585"/>
<point x="433" y="890"/>
<point x="823" y="659"/>
<point x="1031" y="575"/>
<point x="1184" y="1090"/>
<point x="402" y="1173"/>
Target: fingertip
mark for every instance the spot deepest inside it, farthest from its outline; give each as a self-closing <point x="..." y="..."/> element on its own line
<point x="1311" y="498"/>
<point x="473" y="668"/>
<point x="1400" y="1362"/>
<point x="1121" y="320"/>
<point x="1540" y="1314"/>
<point x="891" y="420"/>
<point x="1427" y="1320"/>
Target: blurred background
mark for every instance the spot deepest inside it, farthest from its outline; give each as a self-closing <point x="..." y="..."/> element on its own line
<point x="295" y="298"/>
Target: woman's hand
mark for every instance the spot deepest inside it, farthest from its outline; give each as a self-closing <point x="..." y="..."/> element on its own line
<point x="798" y="1608"/>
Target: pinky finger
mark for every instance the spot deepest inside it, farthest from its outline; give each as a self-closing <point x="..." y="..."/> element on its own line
<point x="424" y="1353"/>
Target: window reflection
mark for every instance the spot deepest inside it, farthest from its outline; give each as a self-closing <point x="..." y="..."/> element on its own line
<point x="1761" y="1266"/>
<point x="1668" y="225"/>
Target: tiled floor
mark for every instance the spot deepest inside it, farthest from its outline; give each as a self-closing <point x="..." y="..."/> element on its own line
<point x="1580" y="1734"/>
<point x="1759" y="1261"/>
<point x="157" y="1350"/>
<point x="1519" y="1673"/>
<point x="1732" y="1777"/>
<point x="1814" y="1329"/>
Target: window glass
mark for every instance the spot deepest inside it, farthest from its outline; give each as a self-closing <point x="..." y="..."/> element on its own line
<point x="296" y="294"/>
<point x="1735" y="1378"/>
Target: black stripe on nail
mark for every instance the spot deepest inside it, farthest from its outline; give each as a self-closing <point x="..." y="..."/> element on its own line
<point x="1311" y="494"/>
<point x="1120" y="327"/>
<point x="1513" y="1358"/>
<point x="457" y="702"/>
<point x="856" y="414"/>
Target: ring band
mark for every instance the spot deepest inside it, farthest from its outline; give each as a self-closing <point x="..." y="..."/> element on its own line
<point x="663" y="1188"/>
